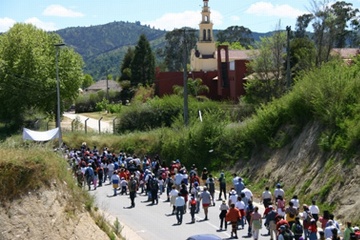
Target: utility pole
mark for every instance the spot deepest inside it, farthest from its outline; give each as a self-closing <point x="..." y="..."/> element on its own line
<point x="288" y="70"/>
<point x="185" y="42"/>
<point x="58" y="112"/>
<point x="185" y="75"/>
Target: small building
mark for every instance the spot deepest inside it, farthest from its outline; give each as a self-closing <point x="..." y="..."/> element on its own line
<point x="104" y="85"/>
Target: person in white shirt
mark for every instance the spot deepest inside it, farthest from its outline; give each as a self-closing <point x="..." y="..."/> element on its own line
<point x="173" y="195"/>
<point x="278" y="192"/>
<point x="232" y="197"/>
<point x="179" y="204"/>
<point x="241" y="206"/>
<point x="296" y="202"/>
<point x="314" y="210"/>
<point x="266" y="197"/>
<point x="247" y="193"/>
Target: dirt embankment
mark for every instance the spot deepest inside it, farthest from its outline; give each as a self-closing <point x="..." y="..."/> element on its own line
<point x="304" y="169"/>
<point x="46" y="214"/>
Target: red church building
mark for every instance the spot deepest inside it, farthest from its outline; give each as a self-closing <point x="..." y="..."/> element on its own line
<point x="221" y="69"/>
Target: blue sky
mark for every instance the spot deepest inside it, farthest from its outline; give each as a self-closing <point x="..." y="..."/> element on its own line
<point x="258" y="16"/>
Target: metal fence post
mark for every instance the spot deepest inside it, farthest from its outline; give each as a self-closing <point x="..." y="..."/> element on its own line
<point x="114" y="125"/>
<point x="72" y="125"/>
<point x="86" y="124"/>
<point x="100" y="124"/>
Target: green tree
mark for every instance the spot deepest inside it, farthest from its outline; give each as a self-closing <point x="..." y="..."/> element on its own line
<point x="195" y="87"/>
<point x="125" y="69"/>
<point x="268" y="67"/>
<point x="87" y="82"/>
<point x="28" y="73"/>
<point x="143" y="63"/>
<point x="173" y="54"/>
<point x="330" y="27"/>
<point x="239" y="34"/>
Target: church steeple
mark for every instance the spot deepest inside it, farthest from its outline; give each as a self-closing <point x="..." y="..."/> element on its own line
<point x="206" y="26"/>
<point x="203" y="58"/>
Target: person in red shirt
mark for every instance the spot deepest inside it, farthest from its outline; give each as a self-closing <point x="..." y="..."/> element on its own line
<point x="233" y="216"/>
<point x="281" y="221"/>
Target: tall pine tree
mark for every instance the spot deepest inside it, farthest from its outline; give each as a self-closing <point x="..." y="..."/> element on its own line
<point x="143" y="63"/>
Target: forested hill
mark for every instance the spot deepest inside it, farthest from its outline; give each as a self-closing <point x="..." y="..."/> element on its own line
<point x="104" y="46"/>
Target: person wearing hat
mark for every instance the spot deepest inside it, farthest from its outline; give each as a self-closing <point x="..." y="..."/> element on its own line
<point x="270" y="222"/>
<point x="284" y="233"/>
<point x="232" y="196"/>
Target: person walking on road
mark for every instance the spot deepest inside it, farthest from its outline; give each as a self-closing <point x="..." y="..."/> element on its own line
<point x="256" y="223"/>
<point x="205" y="197"/>
<point x="270" y="222"/>
<point x="180" y="205"/>
<point x="222" y="183"/>
<point x="115" y="180"/>
<point x="173" y="195"/>
<point x="233" y="216"/>
<point x="223" y="210"/>
<point x="133" y="186"/>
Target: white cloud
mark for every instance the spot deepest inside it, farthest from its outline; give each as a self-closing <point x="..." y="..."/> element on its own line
<point x="268" y="9"/>
<point x="6" y="23"/>
<point x="60" y="11"/>
<point x="47" y="26"/>
<point x="235" y="18"/>
<point x="170" y="21"/>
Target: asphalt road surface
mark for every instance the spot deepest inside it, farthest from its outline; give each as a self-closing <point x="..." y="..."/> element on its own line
<point x="149" y="222"/>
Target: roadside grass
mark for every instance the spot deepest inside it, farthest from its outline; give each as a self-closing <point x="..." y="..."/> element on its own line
<point x="28" y="166"/>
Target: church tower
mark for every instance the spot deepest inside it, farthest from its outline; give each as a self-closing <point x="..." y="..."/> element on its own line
<point x="203" y="57"/>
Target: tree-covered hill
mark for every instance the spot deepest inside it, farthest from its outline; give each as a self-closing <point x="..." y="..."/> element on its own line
<point x="103" y="46"/>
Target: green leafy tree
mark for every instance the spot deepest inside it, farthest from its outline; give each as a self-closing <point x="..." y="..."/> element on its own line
<point x="331" y="27"/>
<point x="28" y="73"/>
<point x="125" y="68"/>
<point x="195" y="87"/>
<point x="143" y="63"/>
<point x="239" y="34"/>
<point x="87" y="82"/>
<point x="268" y="67"/>
<point x="173" y="53"/>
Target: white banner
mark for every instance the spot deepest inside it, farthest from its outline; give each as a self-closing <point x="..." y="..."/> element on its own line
<point x="40" y="136"/>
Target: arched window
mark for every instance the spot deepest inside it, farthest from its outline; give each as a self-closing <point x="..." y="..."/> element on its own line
<point x="209" y="35"/>
<point x="204" y="35"/>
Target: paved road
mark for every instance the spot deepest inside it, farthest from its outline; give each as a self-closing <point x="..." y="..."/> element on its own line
<point x="105" y="126"/>
<point x="149" y="222"/>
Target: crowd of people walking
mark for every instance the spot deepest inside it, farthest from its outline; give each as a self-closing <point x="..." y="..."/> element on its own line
<point x="191" y="190"/>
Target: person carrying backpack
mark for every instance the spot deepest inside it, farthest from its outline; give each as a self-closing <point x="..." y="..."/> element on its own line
<point x="297" y="228"/>
<point x="284" y="233"/>
<point x="154" y="188"/>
